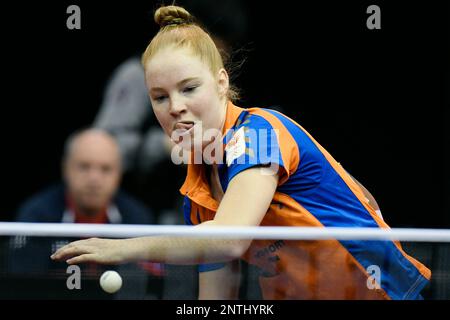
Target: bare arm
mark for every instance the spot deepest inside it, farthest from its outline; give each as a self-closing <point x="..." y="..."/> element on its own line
<point x="250" y="185"/>
<point x="221" y="284"/>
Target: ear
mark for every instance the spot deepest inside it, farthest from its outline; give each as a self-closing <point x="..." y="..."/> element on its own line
<point x="223" y="82"/>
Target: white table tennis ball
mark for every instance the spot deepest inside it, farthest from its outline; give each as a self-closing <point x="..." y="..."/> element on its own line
<point x="111" y="281"/>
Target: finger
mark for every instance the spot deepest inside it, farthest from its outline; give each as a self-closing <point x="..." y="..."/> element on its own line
<point x="59" y="251"/>
<point x="70" y="251"/>
<point x="84" y="258"/>
<point x="75" y="244"/>
<point x="62" y="252"/>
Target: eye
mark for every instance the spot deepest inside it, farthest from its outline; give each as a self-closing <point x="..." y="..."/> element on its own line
<point x="83" y="166"/>
<point x="160" y="98"/>
<point x="189" y="89"/>
<point x="106" y="169"/>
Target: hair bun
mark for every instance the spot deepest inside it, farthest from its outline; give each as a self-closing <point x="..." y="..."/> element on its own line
<point x="172" y="15"/>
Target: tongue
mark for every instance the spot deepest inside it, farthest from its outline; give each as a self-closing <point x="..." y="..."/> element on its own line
<point x="184" y="126"/>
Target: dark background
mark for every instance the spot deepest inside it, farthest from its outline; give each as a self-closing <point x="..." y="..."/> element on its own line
<point x="377" y="100"/>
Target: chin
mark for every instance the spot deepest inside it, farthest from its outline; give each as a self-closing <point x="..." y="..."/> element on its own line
<point x="190" y="144"/>
<point x="93" y="204"/>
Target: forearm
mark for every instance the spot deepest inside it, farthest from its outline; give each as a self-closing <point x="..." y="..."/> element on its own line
<point x="233" y="211"/>
<point x="177" y="250"/>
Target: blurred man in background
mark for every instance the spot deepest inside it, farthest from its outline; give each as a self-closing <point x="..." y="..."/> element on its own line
<point x="90" y="193"/>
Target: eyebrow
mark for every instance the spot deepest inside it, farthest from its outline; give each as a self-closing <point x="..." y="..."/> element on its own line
<point x="180" y="83"/>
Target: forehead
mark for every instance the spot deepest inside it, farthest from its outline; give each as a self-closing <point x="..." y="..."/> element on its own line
<point x="94" y="149"/>
<point x="170" y="65"/>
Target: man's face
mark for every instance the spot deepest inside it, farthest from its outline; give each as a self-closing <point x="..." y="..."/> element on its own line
<point x="92" y="172"/>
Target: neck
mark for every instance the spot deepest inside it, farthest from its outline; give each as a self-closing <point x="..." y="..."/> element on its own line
<point x="74" y="204"/>
<point x="212" y="153"/>
<point x="223" y="116"/>
<point x="83" y="210"/>
<point x="90" y="212"/>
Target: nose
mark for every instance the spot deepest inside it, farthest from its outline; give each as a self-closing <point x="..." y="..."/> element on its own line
<point x="177" y="107"/>
<point x="95" y="176"/>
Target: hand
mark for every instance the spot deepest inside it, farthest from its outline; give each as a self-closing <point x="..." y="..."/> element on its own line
<point x="103" y="251"/>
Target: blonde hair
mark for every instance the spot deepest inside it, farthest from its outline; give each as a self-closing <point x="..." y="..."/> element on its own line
<point x="178" y="28"/>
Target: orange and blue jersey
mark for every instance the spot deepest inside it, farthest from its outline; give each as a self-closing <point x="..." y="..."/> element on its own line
<point x="313" y="190"/>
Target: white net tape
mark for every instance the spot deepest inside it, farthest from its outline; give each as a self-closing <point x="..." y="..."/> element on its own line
<point x="225" y="232"/>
